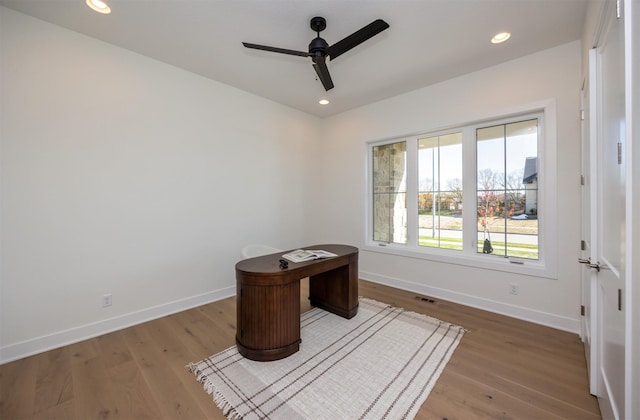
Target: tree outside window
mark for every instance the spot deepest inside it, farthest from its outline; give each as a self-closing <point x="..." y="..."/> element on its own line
<point x="507" y="188"/>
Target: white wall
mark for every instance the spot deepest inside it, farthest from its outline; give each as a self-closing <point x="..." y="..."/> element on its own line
<point x="123" y="175"/>
<point x="339" y="183"/>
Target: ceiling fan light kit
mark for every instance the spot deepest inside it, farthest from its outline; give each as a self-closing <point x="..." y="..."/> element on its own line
<point x="319" y="49"/>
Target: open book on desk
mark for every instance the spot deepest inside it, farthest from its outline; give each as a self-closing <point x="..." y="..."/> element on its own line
<point x="301" y="255"/>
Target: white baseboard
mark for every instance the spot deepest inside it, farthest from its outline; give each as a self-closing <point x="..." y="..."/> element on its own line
<point x="73" y="335"/>
<point x="62" y="338"/>
<point x="542" y="318"/>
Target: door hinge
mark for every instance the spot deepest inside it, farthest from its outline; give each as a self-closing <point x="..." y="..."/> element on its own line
<point x="581" y="310"/>
<point x="619" y="153"/>
<point x="582" y="114"/>
<point x="583" y="245"/>
<point x="619" y="299"/>
<point x="581" y="179"/>
<point x="618" y="10"/>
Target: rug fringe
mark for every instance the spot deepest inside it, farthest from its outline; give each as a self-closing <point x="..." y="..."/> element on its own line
<point x="218" y="398"/>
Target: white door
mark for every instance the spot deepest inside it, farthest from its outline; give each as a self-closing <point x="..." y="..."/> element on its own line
<point x="589" y="279"/>
<point x="610" y="219"/>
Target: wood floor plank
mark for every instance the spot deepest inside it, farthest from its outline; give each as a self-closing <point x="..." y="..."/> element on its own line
<point x="503" y="368"/>
<point x="175" y="353"/>
<point x="84" y="350"/>
<point x="91" y="388"/>
<point x="131" y="394"/>
<point x="537" y="377"/>
<point x="172" y="399"/>
<point x="18" y="388"/>
<point x="54" y="383"/>
<point x="553" y="367"/>
<point x="466" y="366"/>
<point x="112" y="349"/>
<point x="466" y="398"/>
<point x="206" y="336"/>
<point x="62" y="411"/>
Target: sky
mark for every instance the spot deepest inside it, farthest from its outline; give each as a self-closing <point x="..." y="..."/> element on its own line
<point x="521" y="143"/>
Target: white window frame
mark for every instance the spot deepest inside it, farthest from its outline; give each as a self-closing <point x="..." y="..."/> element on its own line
<point x="545" y="266"/>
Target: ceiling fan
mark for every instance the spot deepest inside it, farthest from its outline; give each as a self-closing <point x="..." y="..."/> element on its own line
<point x="319" y="49"/>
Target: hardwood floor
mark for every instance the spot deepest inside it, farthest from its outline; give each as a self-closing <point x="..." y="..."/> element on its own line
<point x="503" y="368"/>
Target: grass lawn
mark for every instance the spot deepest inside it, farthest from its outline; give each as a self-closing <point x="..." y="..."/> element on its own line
<point x="515" y="250"/>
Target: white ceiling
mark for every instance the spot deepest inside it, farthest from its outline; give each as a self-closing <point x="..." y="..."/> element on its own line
<point x="428" y="40"/>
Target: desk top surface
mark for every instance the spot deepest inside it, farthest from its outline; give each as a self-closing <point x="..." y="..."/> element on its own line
<point x="270" y="264"/>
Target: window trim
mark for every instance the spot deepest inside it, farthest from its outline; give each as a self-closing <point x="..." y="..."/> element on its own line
<point x="546" y="266"/>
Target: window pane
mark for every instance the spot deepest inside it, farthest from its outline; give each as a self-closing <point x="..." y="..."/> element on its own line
<point x="508" y="189"/>
<point x="440" y="191"/>
<point x="389" y="193"/>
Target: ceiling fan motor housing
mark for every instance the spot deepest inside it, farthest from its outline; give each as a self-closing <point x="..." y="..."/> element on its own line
<point x="318" y="45"/>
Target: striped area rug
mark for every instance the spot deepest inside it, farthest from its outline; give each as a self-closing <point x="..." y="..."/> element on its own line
<point x="382" y="363"/>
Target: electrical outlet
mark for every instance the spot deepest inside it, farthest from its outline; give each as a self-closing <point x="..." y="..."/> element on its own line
<point x="513" y="289"/>
<point x="106" y="300"/>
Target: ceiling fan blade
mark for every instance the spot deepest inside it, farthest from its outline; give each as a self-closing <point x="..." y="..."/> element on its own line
<point x="276" y="50"/>
<point x="320" y="66"/>
<point x="356" y="38"/>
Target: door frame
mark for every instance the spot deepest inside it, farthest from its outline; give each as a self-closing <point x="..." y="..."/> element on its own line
<point x="610" y="11"/>
<point x="632" y="286"/>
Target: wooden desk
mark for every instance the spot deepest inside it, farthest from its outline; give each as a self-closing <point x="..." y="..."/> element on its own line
<point x="268" y="298"/>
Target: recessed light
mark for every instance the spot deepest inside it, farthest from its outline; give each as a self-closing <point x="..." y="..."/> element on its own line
<point x="323" y="102"/>
<point x="99" y="6"/>
<point x="501" y="37"/>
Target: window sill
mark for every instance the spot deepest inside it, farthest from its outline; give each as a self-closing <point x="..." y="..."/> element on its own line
<point x="493" y="262"/>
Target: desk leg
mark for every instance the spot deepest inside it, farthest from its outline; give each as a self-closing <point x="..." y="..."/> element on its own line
<point x="268" y="320"/>
<point x="336" y="290"/>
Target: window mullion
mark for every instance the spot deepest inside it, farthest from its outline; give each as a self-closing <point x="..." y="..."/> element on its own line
<point x="412" y="192"/>
<point x="469" y="196"/>
<point x="504" y="195"/>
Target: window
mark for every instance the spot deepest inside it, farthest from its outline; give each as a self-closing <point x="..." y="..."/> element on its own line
<point x="507" y="159"/>
<point x="440" y="191"/>
<point x="389" y="193"/>
<point x="471" y="195"/>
